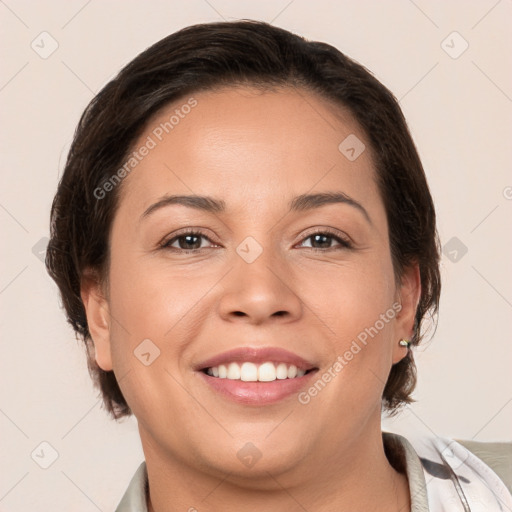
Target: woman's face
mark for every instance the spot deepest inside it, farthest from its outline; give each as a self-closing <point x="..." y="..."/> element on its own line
<point x="253" y="276"/>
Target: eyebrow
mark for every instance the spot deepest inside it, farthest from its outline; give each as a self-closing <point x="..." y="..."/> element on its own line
<point x="303" y="202"/>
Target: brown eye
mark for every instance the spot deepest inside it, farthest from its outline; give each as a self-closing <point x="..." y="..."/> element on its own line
<point x="323" y="240"/>
<point x="186" y="242"/>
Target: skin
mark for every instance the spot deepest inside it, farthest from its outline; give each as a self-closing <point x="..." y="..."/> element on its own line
<point x="255" y="151"/>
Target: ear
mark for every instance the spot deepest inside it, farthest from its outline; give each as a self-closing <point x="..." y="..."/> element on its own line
<point x="98" y="314"/>
<point x="408" y="295"/>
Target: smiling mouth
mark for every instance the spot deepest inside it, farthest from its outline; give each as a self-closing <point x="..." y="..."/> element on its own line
<point x="269" y="371"/>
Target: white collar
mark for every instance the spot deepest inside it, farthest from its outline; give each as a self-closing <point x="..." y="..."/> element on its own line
<point x="443" y="476"/>
<point x="456" y="480"/>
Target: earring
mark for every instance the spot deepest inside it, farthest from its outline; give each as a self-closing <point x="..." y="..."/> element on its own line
<point x="404" y="343"/>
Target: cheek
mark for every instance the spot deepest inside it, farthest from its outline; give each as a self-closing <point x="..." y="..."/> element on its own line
<point x="350" y="297"/>
<point x="152" y="322"/>
<point x="158" y="299"/>
<point x="363" y="307"/>
<point x="356" y="309"/>
<point x="350" y="387"/>
<point x="149" y="299"/>
<point x="157" y="308"/>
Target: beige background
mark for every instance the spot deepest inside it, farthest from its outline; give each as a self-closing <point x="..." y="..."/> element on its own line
<point x="460" y="114"/>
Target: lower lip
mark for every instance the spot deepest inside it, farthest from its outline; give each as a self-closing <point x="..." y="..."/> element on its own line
<point x="257" y="393"/>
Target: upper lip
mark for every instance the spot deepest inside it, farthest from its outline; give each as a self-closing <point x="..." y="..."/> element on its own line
<point x="257" y="355"/>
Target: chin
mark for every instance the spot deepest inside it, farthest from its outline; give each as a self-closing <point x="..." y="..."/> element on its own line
<point x="252" y="461"/>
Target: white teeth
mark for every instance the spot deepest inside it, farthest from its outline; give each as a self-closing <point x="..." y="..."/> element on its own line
<point x="267" y="372"/>
<point x="233" y="371"/>
<point x="281" y="371"/>
<point x="250" y="372"/>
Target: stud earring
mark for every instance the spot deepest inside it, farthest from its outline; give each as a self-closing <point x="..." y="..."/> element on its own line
<point x="404" y="343"/>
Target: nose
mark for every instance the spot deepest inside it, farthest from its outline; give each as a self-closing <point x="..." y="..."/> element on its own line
<point x="259" y="292"/>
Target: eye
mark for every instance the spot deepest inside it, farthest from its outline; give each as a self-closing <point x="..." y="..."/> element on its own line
<point x="190" y="241"/>
<point x="187" y="242"/>
<point x="323" y="239"/>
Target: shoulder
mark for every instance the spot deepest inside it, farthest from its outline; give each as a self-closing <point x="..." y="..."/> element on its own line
<point x="477" y="474"/>
<point x="497" y="455"/>
<point x="135" y="496"/>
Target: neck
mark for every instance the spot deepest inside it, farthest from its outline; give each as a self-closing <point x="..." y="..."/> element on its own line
<point x="359" y="477"/>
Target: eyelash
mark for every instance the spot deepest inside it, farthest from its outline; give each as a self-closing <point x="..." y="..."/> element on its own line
<point x="344" y="243"/>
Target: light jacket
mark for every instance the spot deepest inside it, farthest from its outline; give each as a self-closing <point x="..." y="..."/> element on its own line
<point x="444" y="475"/>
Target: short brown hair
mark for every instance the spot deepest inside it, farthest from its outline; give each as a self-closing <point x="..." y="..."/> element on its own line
<point x="208" y="56"/>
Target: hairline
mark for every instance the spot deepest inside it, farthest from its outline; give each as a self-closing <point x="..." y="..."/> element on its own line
<point x="342" y="113"/>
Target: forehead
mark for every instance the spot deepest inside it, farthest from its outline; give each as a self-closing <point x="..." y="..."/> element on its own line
<point x="248" y="147"/>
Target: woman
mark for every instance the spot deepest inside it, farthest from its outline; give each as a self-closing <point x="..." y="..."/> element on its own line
<point x="246" y="242"/>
